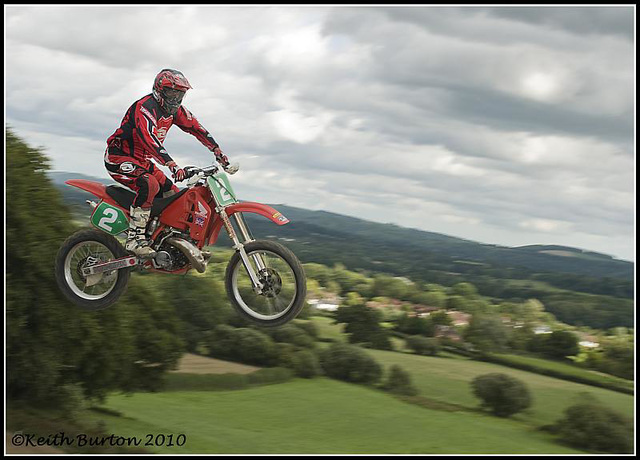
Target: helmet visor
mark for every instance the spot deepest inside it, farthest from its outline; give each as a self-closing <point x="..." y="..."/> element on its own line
<point x="172" y="98"/>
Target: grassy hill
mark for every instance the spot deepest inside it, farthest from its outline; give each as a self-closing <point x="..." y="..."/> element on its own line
<point x="447" y="378"/>
<point x="315" y="416"/>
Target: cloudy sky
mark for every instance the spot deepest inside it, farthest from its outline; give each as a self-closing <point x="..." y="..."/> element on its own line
<point x="510" y="125"/>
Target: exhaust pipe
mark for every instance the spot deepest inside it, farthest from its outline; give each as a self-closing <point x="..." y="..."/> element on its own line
<point x="192" y="253"/>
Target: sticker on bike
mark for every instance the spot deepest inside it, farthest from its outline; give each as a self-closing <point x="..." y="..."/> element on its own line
<point x="109" y="219"/>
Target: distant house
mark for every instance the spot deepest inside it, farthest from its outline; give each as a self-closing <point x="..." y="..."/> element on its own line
<point x="542" y="330"/>
<point x="327" y="301"/>
<point x="423" y="310"/>
<point x="375" y="304"/>
<point x="506" y="319"/>
<point x="405" y="280"/>
<point x="391" y="303"/>
<point x="327" y="306"/>
<point x="587" y="340"/>
<point x="459" y="318"/>
<point x="447" y="332"/>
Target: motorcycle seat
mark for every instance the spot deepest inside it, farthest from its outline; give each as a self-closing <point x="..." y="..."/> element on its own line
<point x="124" y="197"/>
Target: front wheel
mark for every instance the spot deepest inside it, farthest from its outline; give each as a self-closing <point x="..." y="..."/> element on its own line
<point x="83" y="249"/>
<point x="285" y="285"/>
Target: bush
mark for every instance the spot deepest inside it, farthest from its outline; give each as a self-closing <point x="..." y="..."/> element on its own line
<point x="221" y="343"/>
<point x="596" y="428"/>
<point x="423" y="345"/>
<point x="363" y="326"/>
<point x="560" y="344"/>
<point x="310" y="328"/>
<point x="502" y="394"/>
<point x="290" y="333"/>
<point x="399" y="382"/>
<point x="243" y="345"/>
<point x="255" y="347"/>
<point x="285" y="354"/>
<point x="305" y="364"/>
<point x="347" y="362"/>
<point x="379" y="340"/>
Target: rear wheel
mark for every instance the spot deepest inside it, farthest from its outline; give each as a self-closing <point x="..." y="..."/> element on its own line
<point x="285" y="286"/>
<point x="83" y="249"/>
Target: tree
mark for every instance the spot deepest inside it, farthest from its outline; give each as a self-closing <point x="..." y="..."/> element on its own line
<point x="502" y="394"/>
<point x="415" y="325"/>
<point x="618" y="359"/>
<point x="560" y="344"/>
<point x="440" y="318"/>
<point x="389" y="286"/>
<point x="255" y="347"/>
<point x="363" y="326"/>
<point x="423" y="345"/>
<point x="457" y="302"/>
<point x="399" y="382"/>
<point x="346" y="278"/>
<point x="50" y="343"/>
<point x="305" y="364"/>
<point x="487" y="333"/>
<point x="365" y="289"/>
<point x="201" y="304"/>
<point x="347" y="362"/>
<point x="353" y="299"/>
<point x="243" y="345"/>
<point x="435" y="299"/>
<point x="596" y="428"/>
<point x="464" y="289"/>
<point x="292" y="333"/>
<point x="318" y="272"/>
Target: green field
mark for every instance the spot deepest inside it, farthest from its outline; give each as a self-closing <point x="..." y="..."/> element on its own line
<point x="314" y="416"/>
<point x="328" y="330"/>
<point x="448" y="380"/>
<point x="567" y="369"/>
<point x="328" y="416"/>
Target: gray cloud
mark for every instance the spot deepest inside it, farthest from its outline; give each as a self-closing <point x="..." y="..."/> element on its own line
<point x="509" y="126"/>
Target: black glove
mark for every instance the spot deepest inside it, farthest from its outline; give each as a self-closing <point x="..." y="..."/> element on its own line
<point x="221" y="157"/>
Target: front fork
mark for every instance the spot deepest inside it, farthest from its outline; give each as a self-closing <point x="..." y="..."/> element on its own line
<point x="239" y="246"/>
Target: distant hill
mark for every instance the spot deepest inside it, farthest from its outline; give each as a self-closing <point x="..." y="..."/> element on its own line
<point x="327" y="237"/>
<point x="329" y="228"/>
<point x="59" y="177"/>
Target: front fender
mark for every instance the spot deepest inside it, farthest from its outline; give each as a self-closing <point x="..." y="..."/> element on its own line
<point x="258" y="208"/>
<point x="248" y="206"/>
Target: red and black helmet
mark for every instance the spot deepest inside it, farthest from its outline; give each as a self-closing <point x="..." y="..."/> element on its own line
<point x="169" y="88"/>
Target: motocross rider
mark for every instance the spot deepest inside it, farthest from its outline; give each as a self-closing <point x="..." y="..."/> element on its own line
<point x="139" y="139"/>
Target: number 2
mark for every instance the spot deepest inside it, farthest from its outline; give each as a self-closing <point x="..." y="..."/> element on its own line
<point x="110" y="215"/>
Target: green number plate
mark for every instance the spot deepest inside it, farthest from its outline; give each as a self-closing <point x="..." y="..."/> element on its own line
<point x="109" y="219"/>
<point x="221" y="189"/>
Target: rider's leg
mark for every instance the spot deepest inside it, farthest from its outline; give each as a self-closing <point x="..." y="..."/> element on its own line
<point x="167" y="187"/>
<point x="140" y="212"/>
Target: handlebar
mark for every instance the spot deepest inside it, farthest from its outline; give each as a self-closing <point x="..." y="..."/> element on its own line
<point x="191" y="171"/>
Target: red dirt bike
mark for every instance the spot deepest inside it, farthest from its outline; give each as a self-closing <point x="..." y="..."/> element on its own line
<point x="264" y="280"/>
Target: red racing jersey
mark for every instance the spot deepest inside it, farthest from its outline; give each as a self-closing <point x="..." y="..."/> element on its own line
<point x="145" y="126"/>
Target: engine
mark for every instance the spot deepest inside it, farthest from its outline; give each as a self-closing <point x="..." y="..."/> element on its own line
<point x="170" y="258"/>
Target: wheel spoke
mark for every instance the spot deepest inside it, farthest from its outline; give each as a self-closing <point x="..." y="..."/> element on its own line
<point x="85" y="254"/>
<point x="279" y="292"/>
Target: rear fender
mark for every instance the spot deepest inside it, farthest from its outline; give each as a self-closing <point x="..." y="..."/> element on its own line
<point x="248" y="206"/>
<point x="98" y="189"/>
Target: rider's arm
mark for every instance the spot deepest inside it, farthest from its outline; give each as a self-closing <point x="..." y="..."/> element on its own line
<point x="146" y="128"/>
<point x="185" y="120"/>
